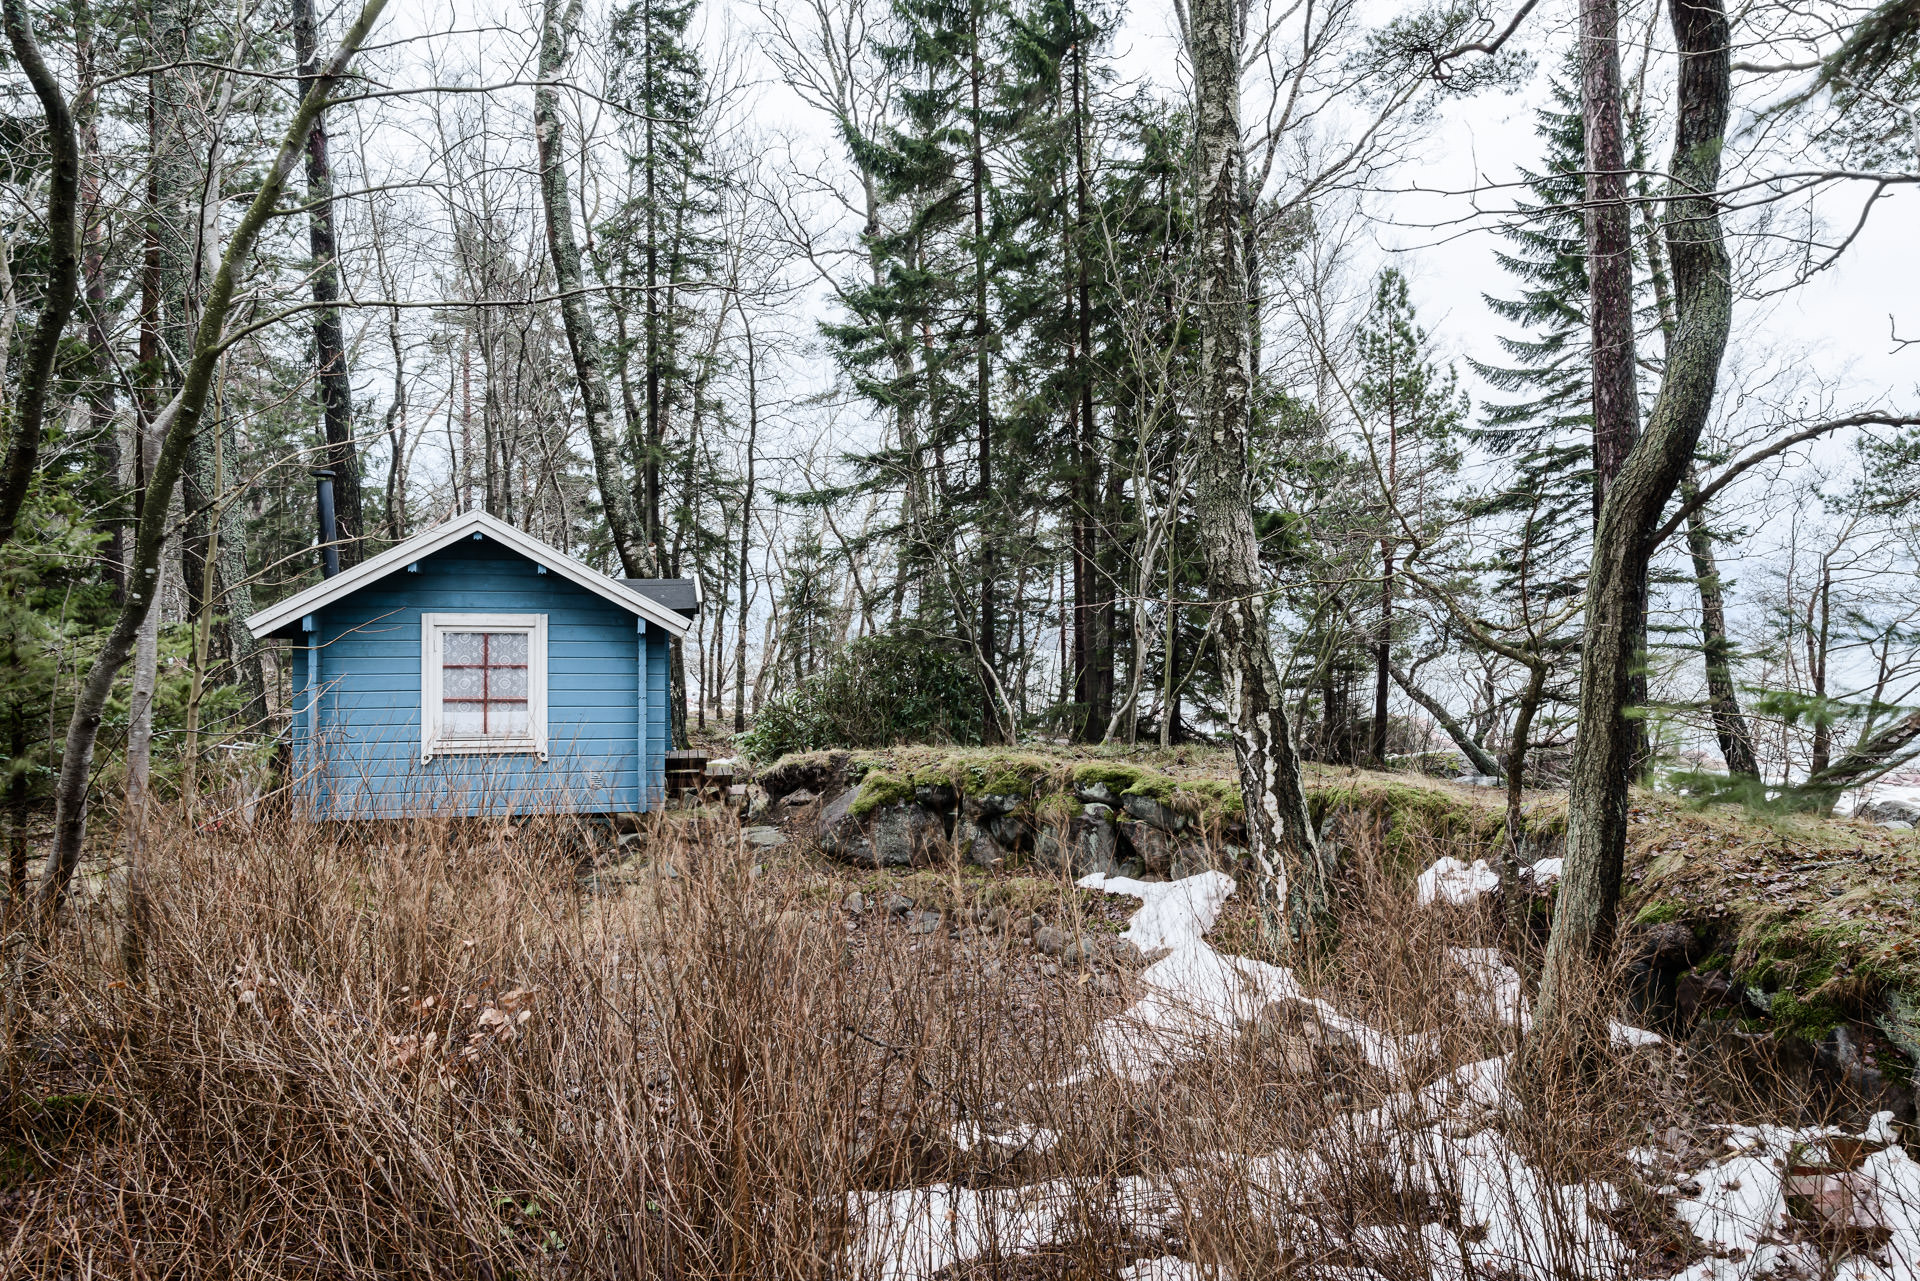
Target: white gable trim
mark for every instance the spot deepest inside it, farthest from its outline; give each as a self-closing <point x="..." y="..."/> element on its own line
<point x="348" y="581"/>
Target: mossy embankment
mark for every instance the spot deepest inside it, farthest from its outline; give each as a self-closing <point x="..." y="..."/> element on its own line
<point x="1814" y="920"/>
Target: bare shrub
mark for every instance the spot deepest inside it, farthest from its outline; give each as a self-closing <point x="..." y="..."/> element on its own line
<point x="434" y="1049"/>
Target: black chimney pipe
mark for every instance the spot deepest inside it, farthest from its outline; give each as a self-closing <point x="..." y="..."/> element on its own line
<point x="329" y="531"/>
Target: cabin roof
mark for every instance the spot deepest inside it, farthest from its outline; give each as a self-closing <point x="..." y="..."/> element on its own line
<point x="640" y="597"/>
<point x="681" y="595"/>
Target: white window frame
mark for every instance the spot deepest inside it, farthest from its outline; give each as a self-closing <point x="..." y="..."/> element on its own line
<point x="433" y="739"/>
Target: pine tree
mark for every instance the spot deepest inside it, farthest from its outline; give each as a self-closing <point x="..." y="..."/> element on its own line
<point x="920" y="338"/>
<point x="659" y="241"/>
<point x="1546" y="437"/>
<point x="1413" y="410"/>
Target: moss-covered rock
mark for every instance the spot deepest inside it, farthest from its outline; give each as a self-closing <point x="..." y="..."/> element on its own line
<point x="880" y="788"/>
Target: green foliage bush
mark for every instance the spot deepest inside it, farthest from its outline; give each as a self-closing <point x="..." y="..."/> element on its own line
<point x="879" y="691"/>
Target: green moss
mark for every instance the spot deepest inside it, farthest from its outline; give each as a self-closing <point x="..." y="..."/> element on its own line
<point x="1154" y="787"/>
<point x="1056" y="810"/>
<point x="938" y="775"/>
<point x="1212" y="799"/>
<point x="880" y="788"/>
<point x="1658" y="912"/>
<point x="1809" y="1018"/>
<point x="1114" y="776"/>
<point x="999" y="773"/>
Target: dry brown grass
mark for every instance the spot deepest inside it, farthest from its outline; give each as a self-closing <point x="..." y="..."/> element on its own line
<point x="424" y="1050"/>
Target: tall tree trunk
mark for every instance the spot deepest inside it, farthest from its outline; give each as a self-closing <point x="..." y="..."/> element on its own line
<point x="1609" y="231"/>
<point x="1819" y="636"/>
<point x="329" y="341"/>
<point x="62" y="270"/>
<point x="179" y="423"/>
<point x="93" y="275"/>
<point x="1609" y="235"/>
<point x="991" y="730"/>
<point x="1295" y="870"/>
<point x="1723" y="701"/>
<point x="1587" y="913"/>
<point x="746" y="534"/>
<point x="1383" y="655"/>
<point x="623" y="523"/>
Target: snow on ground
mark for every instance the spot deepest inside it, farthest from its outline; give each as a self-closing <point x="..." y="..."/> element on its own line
<point x="1172" y="913"/>
<point x="1543" y="872"/>
<point x="1739" y="1207"/>
<point x="1435" y="1141"/>
<point x="916" y="1232"/>
<point x="1450" y="880"/>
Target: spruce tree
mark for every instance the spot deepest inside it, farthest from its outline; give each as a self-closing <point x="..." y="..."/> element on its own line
<point x="1412" y="410"/>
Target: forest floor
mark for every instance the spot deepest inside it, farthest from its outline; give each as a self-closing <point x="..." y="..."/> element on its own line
<point x="458" y="1049"/>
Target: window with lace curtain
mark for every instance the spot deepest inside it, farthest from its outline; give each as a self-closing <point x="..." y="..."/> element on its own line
<point x="483" y="684"/>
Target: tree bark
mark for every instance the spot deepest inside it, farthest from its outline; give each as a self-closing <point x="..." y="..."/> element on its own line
<point x="178" y="424"/>
<point x="1586" y="916"/>
<point x="1383" y="656"/>
<point x="1609" y="230"/>
<point x="616" y="495"/>
<point x="331" y="375"/>
<point x="1295" y="874"/>
<point x="746" y="533"/>
<point x="62" y="271"/>
<point x="1723" y="701"/>
<point x="1609" y="235"/>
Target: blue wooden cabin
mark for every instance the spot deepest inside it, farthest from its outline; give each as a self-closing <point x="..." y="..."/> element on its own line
<point x="475" y="670"/>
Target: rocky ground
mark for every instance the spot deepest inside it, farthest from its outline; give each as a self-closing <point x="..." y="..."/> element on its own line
<point x="1789" y="938"/>
<point x="1774" y="949"/>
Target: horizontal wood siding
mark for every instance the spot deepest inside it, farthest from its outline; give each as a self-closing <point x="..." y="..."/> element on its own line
<point x="369" y="715"/>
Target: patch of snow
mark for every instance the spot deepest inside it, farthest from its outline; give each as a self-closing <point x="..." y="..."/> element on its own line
<point x="1172" y="913"/>
<point x="1628" y="1037"/>
<point x="915" y="1233"/>
<point x="1198" y="999"/>
<point x="1168" y="1268"/>
<point x="1544" y="872"/>
<point x="968" y="1135"/>
<point x="1515" y="1222"/>
<point x="1451" y="881"/>
<point x="1497" y="993"/>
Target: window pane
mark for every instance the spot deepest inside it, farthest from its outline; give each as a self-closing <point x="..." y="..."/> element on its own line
<point x="462" y="720"/>
<point x="463" y="682"/>
<point x="507" y="720"/>
<point x="508" y="647"/>
<point x="465" y="647"/>
<point x="507" y="682"/>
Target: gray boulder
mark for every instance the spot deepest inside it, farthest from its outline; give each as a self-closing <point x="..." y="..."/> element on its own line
<point x="994" y="803"/>
<point x="1152" y="812"/>
<point x="1095" y="794"/>
<point x="1086" y="845"/>
<point x="1147" y="843"/>
<point x="1050" y="940"/>
<point x="1190" y="858"/>
<point x="983" y="851"/>
<point x="817" y="772"/>
<point x="939" y="797"/>
<point x="891" y="836"/>
<point x="1888" y="811"/>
